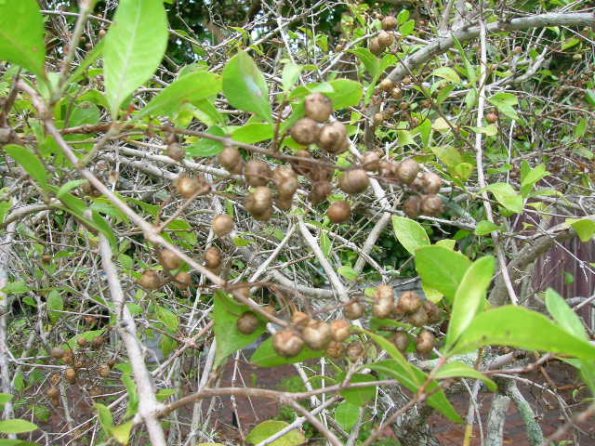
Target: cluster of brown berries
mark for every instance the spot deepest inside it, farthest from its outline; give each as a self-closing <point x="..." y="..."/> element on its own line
<point x="171" y="263"/>
<point x="385" y="38"/>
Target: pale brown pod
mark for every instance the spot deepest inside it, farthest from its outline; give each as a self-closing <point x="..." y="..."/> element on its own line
<point x="370" y="161"/>
<point x="355" y="350"/>
<point x="407" y="171"/>
<point x="259" y="201"/>
<point x="53" y="392"/>
<point x="354" y="181"/>
<point x="341" y="329"/>
<point x="354" y="310"/>
<point x="247" y="323"/>
<point x="150" y="280"/>
<point x="317" y="335"/>
<point x="222" y="225"/>
<point x="384" y="292"/>
<point x="212" y="258"/>
<point x="299" y="319"/>
<point x="70" y="375"/>
<point x="305" y="131"/>
<point x="169" y="259"/>
<point x="333" y="137"/>
<point x="57" y="352"/>
<point x="320" y="192"/>
<point x="389" y="23"/>
<point x="419" y="318"/>
<point x="339" y="212"/>
<point x="431" y="183"/>
<point x="287" y="343"/>
<point x="231" y="159"/>
<point x="183" y="280"/>
<point x="386" y="85"/>
<point x="433" y="311"/>
<point x="401" y="341"/>
<point x="432" y="205"/>
<point x="188" y="186"/>
<point x="374" y="46"/>
<point x="385" y="39"/>
<point x="175" y="151"/>
<point x="257" y="173"/>
<point x="425" y="341"/>
<point x="412" y="206"/>
<point x="104" y="370"/>
<point x="318" y="107"/>
<point x="335" y="350"/>
<point x="409" y="302"/>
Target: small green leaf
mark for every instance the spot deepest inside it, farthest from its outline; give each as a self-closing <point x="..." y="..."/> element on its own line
<point x="584" y="227"/>
<point x="530" y="177"/>
<point x="447" y="73"/>
<point x="348" y="272"/>
<point x="441" y="268"/>
<point x="121" y="433"/>
<point x="168" y="318"/>
<point x="207" y="147"/>
<point x="410" y="234"/>
<point x="407" y="28"/>
<point x="505" y="102"/>
<point x="347" y="414"/>
<point x="5" y="398"/>
<point x="266" y="356"/>
<point x="486" y="227"/>
<point x="360" y="396"/>
<point x="392" y="351"/>
<point x="254" y="132"/>
<point x="370" y="61"/>
<point x="22" y="35"/>
<point x="519" y="327"/>
<point x="105" y="417"/>
<point x="345" y="93"/>
<point x="191" y="88"/>
<point x="229" y="339"/>
<point x="507" y="196"/>
<point x="564" y="315"/>
<point x="269" y="428"/>
<point x="134" y="47"/>
<point x="55" y="305"/>
<point x="469" y="297"/>
<point x="245" y="88"/>
<point x="460" y="370"/>
<point x="16" y="426"/>
<point x="290" y="75"/>
<point x="29" y="161"/>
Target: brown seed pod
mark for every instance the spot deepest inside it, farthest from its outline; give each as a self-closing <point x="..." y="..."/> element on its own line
<point x="389" y="23"/>
<point x="419" y="318"/>
<point x="386" y="85"/>
<point x="384" y="292"/>
<point x="407" y="170"/>
<point x="407" y="80"/>
<point x="317" y="335"/>
<point x="222" y="225"/>
<point x="385" y="39"/>
<point x="318" y="107"/>
<point x="175" y="151"/>
<point x="492" y="117"/>
<point x="375" y="47"/>
<point x="431" y="183"/>
<point x="286" y="180"/>
<point x="259" y="201"/>
<point x="213" y="258"/>
<point x="333" y="137"/>
<point x="401" y="341"/>
<point x="355" y="350"/>
<point x="320" y="192"/>
<point x="169" y="259"/>
<point x="341" y="329"/>
<point x="339" y="212"/>
<point x="433" y="312"/>
<point x="371" y="161"/>
<point x="305" y="131"/>
<point x="247" y="323"/>
<point x="57" y="352"/>
<point x="412" y="206"/>
<point x="335" y="350"/>
<point x="425" y="341"/>
<point x="265" y="216"/>
<point x="353" y="310"/>
<point x="231" y="159"/>
<point x="46" y="258"/>
<point x="150" y="280"/>
<point x="188" y="186"/>
<point x="431" y="205"/>
<point x="354" y="181"/>
<point x="257" y="173"/>
<point x="287" y="343"/>
<point x="384" y="302"/>
<point x="68" y="357"/>
<point x="53" y="392"/>
<point x="409" y="302"/>
<point x="378" y="119"/>
<point x="104" y="370"/>
<point x="299" y="319"/>
<point x="183" y="280"/>
<point x="404" y="106"/>
<point x="396" y="93"/>
<point x="70" y="375"/>
<point x="285" y="202"/>
<point x="55" y="379"/>
<point x="82" y="342"/>
<point x="302" y="167"/>
<point x="98" y="342"/>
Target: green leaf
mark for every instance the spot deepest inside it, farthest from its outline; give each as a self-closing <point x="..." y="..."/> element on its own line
<point x="346" y="93"/>
<point x="469" y="296"/>
<point x="266" y="356"/>
<point x="270" y="427"/>
<point x="359" y="396"/>
<point x="519" y="327"/>
<point x="437" y="400"/>
<point x="584" y="227"/>
<point x="410" y="234"/>
<point x="16" y="426"/>
<point x="441" y="268"/>
<point x="370" y="61"/>
<point x="191" y="88"/>
<point x="245" y="88"/>
<point x="29" y="161"/>
<point x="457" y="369"/>
<point x="168" y="318"/>
<point x="347" y="414"/>
<point x="348" y="272"/>
<point x="530" y="177"/>
<point x="507" y="197"/>
<point x="407" y="28"/>
<point x="290" y="75"/>
<point x="392" y="351"/>
<point x="22" y="35"/>
<point x="122" y="432"/>
<point x="105" y="417"/>
<point x="486" y="227"/>
<point x="447" y="73"/>
<point x="564" y="315"/>
<point x="55" y="305"/>
<point x="207" y="147"/>
<point x="505" y="102"/>
<point x="254" y="132"/>
<point x="5" y="398"/>
<point x="229" y="339"/>
<point x="134" y="47"/>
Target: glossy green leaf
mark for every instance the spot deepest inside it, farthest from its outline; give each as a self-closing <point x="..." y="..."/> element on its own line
<point x="441" y="268"/>
<point x="290" y="75"/>
<point x="485" y="227"/>
<point x="347" y="414"/>
<point x="168" y="318"/>
<point x="269" y="428"/>
<point x="345" y="93"/>
<point x="266" y="356"/>
<point x="348" y="272"/>
<point x="370" y="61"/>
<point x="134" y="47"/>
<point x="16" y="426"/>
<point x="229" y="339"/>
<point x="55" y="305"/>
<point x="207" y="147"/>
<point x="469" y="297"/>
<point x="505" y="102"/>
<point x="245" y="88"/>
<point x="5" y="398"/>
<point x="359" y="396"/>
<point x="410" y="234"/>
<point x="584" y="227"/>
<point x="122" y="432"/>
<point x="457" y="369"/>
<point x="507" y="196"/>
<point x="392" y="351"/>
<point x="531" y="176"/>
<point x="519" y="327"/>
<point x="191" y="88"/>
<point x="105" y="416"/>
<point x="447" y="73"/>
<point x="22" y="35"/>
<point x="564" y="315"/>
<point x="253" y="132"/>
<point x="29" y="161"/>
